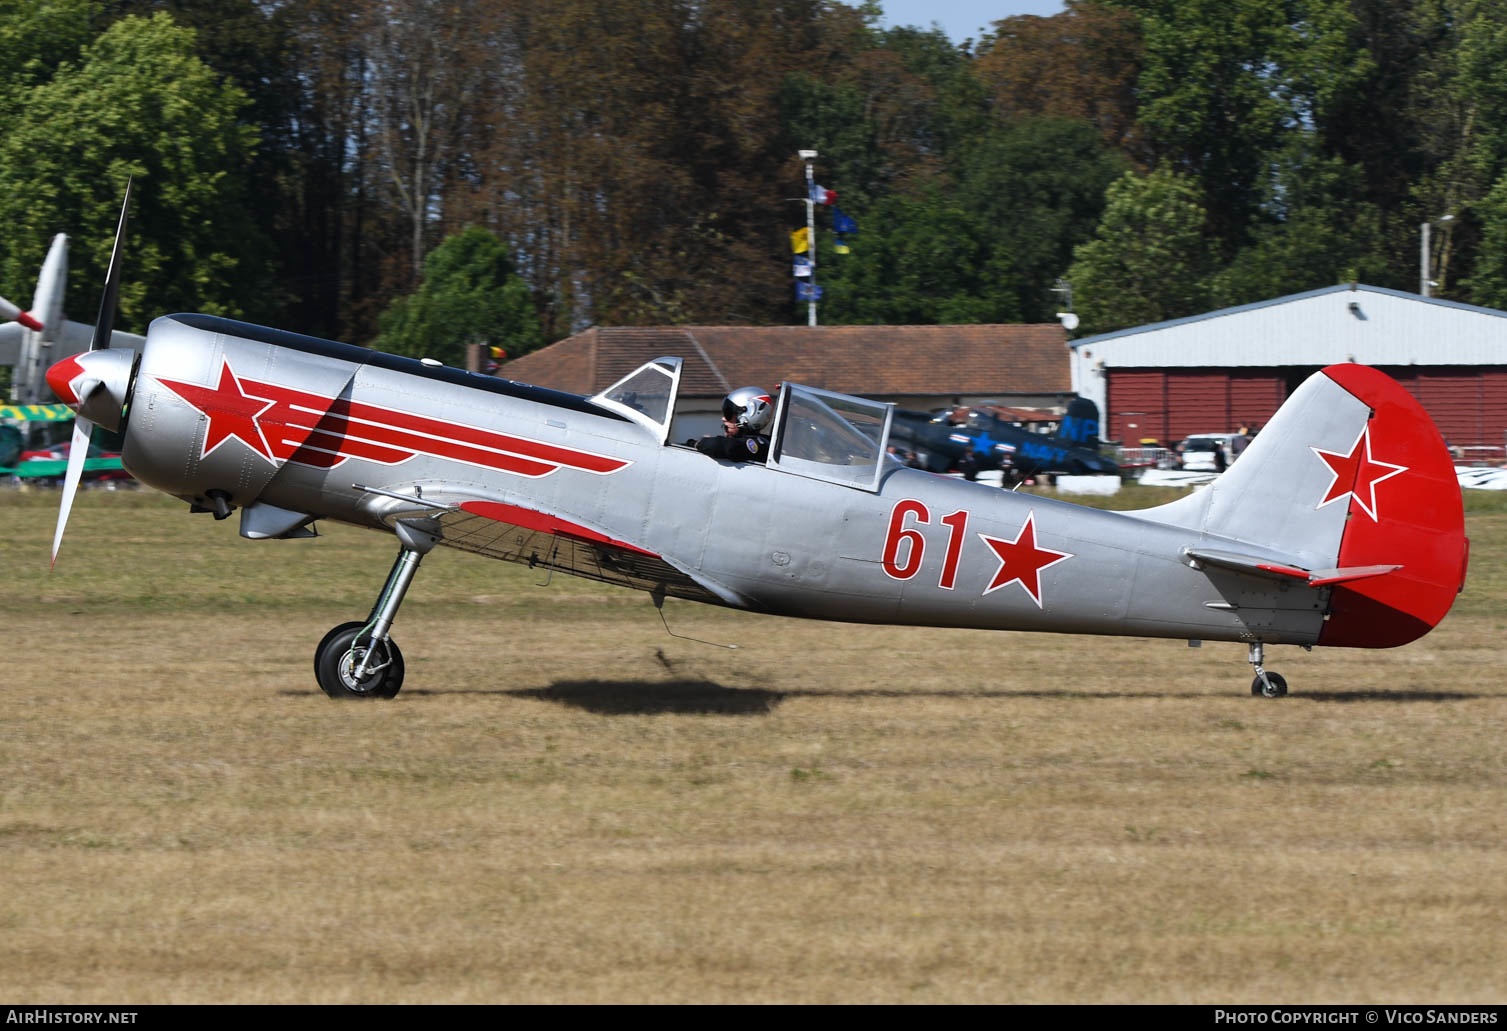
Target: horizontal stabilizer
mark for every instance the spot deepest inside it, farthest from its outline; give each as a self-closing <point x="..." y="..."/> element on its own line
<point x="1258" y="566"/>
<point x="1347" y="574"/>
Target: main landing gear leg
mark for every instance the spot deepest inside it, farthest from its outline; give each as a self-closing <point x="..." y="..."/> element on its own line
<point x="361" y="660"/>
<point x="1266" y="685"/>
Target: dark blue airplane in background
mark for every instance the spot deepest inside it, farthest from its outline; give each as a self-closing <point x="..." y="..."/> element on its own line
<point x="975" y="440"/>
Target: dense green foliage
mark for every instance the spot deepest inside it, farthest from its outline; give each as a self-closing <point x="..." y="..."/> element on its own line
<point x="635" y="160"/>
<point x="136" y="102"/>
<point x="470" y="294"/>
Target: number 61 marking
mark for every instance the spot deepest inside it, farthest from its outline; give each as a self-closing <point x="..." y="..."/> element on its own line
<point x="915" y="544"/>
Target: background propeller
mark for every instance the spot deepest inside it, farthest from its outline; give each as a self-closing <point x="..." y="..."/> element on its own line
<point x="13" y="313"/>
<point x="83" y="428"/>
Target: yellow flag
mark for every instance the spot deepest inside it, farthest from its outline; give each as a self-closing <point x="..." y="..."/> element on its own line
<point x="798" y="241"/>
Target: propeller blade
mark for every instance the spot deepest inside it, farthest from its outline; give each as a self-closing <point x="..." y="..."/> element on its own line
<point x="83" y="429"/>
<point x="15" y="314"/>
<point x="106" y="321"/>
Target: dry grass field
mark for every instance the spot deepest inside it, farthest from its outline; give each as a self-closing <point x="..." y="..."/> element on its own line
<point x="567" y="805"/>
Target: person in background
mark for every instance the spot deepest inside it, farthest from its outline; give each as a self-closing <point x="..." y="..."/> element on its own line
<point x="1239" y="441"/>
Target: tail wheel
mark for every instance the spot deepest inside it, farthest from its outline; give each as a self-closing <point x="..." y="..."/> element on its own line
<point x="342" y="652"/>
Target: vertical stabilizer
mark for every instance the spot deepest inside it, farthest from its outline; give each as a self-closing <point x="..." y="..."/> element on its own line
<point x="1081" y="423"/>
<point x="1350" y="473"/>
<point x="47" y="303"/>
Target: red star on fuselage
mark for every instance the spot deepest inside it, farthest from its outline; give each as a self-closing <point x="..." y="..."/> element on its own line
<point x="1021" y="560"/>
<point x="1356" y="474"/>
<point x="231" y="411"/>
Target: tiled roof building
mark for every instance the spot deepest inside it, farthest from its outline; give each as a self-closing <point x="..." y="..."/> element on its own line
<point x="915" y="366"/>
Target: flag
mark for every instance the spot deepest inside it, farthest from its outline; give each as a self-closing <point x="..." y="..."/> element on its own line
<point x="822" y="195"/>
<point x="498" y="354"/>
<point x="799" y="241"/>
<point x="840" y="246"/>
<point x="842" y="223"/>
<point x="802" y="266"/>
<point x="808" y="292"/>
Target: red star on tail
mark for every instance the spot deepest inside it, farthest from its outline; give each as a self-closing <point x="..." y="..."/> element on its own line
<point x="1356" y="474"/>
<point x="1021" y="560"/>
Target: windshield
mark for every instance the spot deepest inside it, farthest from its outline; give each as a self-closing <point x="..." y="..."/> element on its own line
<point x="646" y="395"/>
<point x="831" y="436"/>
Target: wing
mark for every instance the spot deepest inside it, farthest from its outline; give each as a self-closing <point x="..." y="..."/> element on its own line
<point x="11" y="334"/>
<point x="77" y="336"/>
<point x="541" y="540"/>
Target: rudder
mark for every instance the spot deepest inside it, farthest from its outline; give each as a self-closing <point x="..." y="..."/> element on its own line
<point x="1404" y="507"/>
<point x="1348" y="478"/>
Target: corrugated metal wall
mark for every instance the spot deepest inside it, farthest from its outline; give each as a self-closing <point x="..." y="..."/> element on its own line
<point x="1170" y="404"/>
<point x="1137" y="406"/>
<point x="1254" y="396"/>
<point x="1469" y="405"/>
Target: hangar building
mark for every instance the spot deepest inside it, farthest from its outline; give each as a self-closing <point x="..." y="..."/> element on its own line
<point x="1211" y="373"/>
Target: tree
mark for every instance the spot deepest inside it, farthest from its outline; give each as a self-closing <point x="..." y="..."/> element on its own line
<point x="138" y="102"/>
<point x="985" y="250"/>
<point x="1474" y="183"/>
<point x="470" y="293"/>
<point x="64" y="25"/>
<point x="1036" y="188"/>
<point x="1488" y="286"/>
<point x="1081" y="64"/>
<point x="1318" y="230"/>
<point x="1225" y="83"/>
<point x="917" y="261"/>
<point x="67" y="26"/>
<point x="424" y="80"/>
<point x="1149" y="259"/>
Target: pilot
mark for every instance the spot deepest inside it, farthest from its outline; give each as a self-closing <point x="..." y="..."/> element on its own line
<point x="746" y="414"/>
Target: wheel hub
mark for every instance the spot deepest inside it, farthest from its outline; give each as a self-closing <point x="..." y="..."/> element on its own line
<point x="351" y="661"/>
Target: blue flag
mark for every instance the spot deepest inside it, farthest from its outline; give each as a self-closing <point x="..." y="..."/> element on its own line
<point x="842" y="223"/>
<point x="808" y="292"/>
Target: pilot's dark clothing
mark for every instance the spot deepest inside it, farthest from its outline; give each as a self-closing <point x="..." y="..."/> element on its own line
<point x="750" y="448"/>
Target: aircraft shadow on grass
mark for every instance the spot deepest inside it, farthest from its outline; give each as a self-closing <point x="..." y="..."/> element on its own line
<point x="706" y="697"/>
<point x="632" y="697"/>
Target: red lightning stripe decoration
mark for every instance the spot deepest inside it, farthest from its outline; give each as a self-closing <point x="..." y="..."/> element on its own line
<point x="284" y="424"/>
<point x="1021" y="560"/>
<point x="1356" y="474"/>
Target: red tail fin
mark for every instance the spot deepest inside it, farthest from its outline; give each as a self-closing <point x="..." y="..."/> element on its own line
<point x="1404" y="508"/>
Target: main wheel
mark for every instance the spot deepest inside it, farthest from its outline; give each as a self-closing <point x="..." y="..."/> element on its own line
<point x="335" y="662"/>
<point x="1275" y="687"/>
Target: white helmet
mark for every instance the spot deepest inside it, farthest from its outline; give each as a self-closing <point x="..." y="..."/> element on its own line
<point x="749" y="407"/>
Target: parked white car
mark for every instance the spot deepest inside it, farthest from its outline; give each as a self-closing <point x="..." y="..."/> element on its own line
<point x="1197" y="451"/>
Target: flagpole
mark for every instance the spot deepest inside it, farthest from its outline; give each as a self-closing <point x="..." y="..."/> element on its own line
<point x="809" y="156"/>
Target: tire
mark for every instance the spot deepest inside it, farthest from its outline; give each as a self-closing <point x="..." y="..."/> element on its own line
<point x="1278" y="687"/>
<point x="333" y="662"/>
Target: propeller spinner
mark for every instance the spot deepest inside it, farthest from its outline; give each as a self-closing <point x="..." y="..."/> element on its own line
<point x="96" y="384"/>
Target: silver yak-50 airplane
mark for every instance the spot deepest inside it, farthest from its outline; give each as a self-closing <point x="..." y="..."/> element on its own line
<point x="1340" y="525"/>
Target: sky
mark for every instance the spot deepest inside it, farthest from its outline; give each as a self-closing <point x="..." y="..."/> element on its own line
<point x="962" y="19"/>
